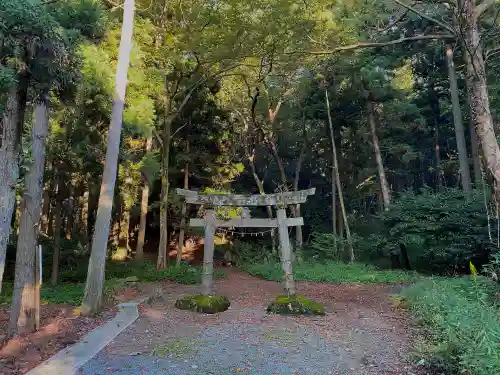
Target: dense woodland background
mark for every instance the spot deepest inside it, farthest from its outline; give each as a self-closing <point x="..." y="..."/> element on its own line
<point x="233" y="96"/>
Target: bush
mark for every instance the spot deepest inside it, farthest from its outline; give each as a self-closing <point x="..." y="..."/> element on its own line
<point x="439" y="232"/>
<point x="332" y="272"/>
<point x="463" y="329"/>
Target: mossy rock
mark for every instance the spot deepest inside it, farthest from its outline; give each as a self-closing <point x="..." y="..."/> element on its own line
<point x="203" y="304"/>
<point x="295" y="305"/>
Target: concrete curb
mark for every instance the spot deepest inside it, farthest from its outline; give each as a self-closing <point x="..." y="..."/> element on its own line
<point x="70" y="359"/>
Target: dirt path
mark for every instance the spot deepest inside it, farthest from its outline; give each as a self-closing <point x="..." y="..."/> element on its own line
<point x="360" y="335"/>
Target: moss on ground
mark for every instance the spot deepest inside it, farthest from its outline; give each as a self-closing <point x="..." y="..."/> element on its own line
<point x="295" y="305"/>
<point x="203" y="304"/>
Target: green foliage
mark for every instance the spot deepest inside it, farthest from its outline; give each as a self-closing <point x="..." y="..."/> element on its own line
<point x="203" y="304"/>
<point x="296" y="305"/>
<point x="441" y="232"/>
<point x="332" y="272"/>
<point x="463" y="329"/>
<point x="65" y="293"/>
<point x="71" y="294"/>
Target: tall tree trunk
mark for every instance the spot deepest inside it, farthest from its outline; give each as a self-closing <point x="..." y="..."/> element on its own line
<point x="139" y="250"/>
<point x="298" y="229"/>
<point x="95" y="276"/>
<point x="93" y="203"/>
<point x="457" y="120"/>
<point x="384" y="185"/>
<point x="71" y="215"/>
<point x="165" y="184"/>
<point x="10" y="130"/>
<point x="85" y="217"/>
<point x="45" y="212"/>
<point x="123" y="224"/>
<point x="47" y="197"/>
<point x="337" y="178"/>
<point x="56" y="256"/>
<point x="476" y="159"/>
<point x="77" y="211"/>
<point x="475" y="151"/>
<point x="435" y="116"/>
<point x="182" y="230"/>
<point x="24" y="299"/>
<point x="124" y="229"/>
<point x="477" y="88"/>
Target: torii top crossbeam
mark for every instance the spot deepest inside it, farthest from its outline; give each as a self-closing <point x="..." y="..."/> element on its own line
<point x="241" y="200"/>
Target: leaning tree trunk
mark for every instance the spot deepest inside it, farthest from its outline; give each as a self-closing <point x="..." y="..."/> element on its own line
<point x="457" y="120"/>
<point x="95" y="276"/>
<point x="337" y="178"/>
<point x="384" y="185"/>
<point x="10" y="129"/>
<point x="139" y="250"/>
<point x="24" y="299"/>
<point x="477" y="88"/>
<point x="334" y="207"/>
<point x="182" y="230"/>
<point x="298" y="229"/>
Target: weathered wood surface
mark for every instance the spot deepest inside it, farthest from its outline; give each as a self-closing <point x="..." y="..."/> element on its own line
<point x="208" y="256"/>
<point x="245" y="223"/>
<point x="285" y="253"/>
<point x="279" y="199"/>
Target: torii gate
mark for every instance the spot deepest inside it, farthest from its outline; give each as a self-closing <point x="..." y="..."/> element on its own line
<point x="210" y="223"/>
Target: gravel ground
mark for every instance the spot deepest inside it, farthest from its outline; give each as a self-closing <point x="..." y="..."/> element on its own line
<point x="360" y="335"/>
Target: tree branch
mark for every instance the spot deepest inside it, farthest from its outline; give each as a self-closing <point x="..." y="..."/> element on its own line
<point x="375" y="44"/>
<point x="483" y="7"/>
<point x="426" y="17"/>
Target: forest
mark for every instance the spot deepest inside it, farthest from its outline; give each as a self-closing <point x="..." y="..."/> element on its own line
<point x="388" y="108"/>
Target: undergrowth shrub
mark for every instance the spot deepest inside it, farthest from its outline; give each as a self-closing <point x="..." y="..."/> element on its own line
<point x="462" y="327"/>
<point x="439" y="232"/>
<point x="251" y="252"/>
<point x="327" y="246"/>
<point x="147" y="272"/>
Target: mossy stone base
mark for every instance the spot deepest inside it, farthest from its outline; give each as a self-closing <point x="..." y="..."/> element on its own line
<point x="295" y="305"/>
<point x="203" y="304"/>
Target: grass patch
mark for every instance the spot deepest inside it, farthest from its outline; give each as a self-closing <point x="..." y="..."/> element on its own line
<point x="461" y="324"/>
<point x="333" y="272"/>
